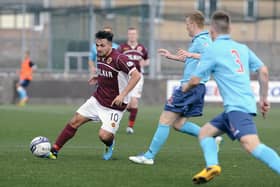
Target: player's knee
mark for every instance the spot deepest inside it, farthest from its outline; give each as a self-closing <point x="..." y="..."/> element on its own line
<point x="203" y="133"/>
<point x="76" y="121"/>
<point x="177" y="126"/>
<point x="249" y="142"/>
<point x="167" y="118"/>
<point x="133" y="103"/>
<point x="106" y="137"/>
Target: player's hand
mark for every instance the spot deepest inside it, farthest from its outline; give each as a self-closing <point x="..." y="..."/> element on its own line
<point x="182" y="54"/>
<point x="164" y="52"/>
<point x="264" y="106"/>
<point x="92" y="80"/>
<point x="118" y="101"/>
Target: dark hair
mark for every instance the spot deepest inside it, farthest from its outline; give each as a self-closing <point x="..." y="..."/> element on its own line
<point x="221" y="22"/>
<point x="197" y="17"/>
<point x="104" y="35"/>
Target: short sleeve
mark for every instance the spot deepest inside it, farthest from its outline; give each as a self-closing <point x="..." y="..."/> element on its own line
<point x="201" y="45"/>
<point x="254" y="62"/>
<point x="145" y="53"/>
<point x="124" y="64"/>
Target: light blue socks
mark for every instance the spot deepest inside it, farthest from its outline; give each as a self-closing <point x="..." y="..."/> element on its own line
<point x="159" y="139"/>
<point x="21" y="92"/>
<point x="210" y="152"/>
<point x="268" y="156"/>
<point x="190" y="128"/>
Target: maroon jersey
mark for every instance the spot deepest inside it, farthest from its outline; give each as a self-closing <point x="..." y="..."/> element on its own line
<point x="134" y="54"/>
<point x="113" y="72"/>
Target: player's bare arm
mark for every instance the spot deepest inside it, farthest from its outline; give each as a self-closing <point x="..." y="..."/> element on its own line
<point x="144" y="63"/>
<point x="194" y="81"/>
<point x="135" y="77"/>
<point x="263" y="77"/>
<point x="183" y="54"/>
<point x="167" y="54"/>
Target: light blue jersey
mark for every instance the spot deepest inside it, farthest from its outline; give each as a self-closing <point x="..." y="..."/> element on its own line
<point x="230" y="64"/>
<point x="93" y="51"/>
<point x="199" y="43"/>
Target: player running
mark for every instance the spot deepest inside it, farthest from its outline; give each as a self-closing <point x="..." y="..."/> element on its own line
<point x="109" y="100"/>
<point x="181" y="106"/>
<point x="25" y="77"/>
<point x="230" y="63"/>
<point x="137" y="53"/>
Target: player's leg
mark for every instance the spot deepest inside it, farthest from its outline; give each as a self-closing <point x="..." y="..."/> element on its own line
<point x="167" y="118"/>
<point x="209" y="149"/>
<point x="244" y="129"/>
<point x="22" y="93"/>
<point x="68" y="132"/>
<point x="108" y="139"/>
<point x="192" y="103"/>
<point x="133" y="110"/>
<point x="110" y="124"/>
<point x="262" y="152"/>
<point x="183" y="125"/>
<point x="135" y="94"/>
<point x="84" y="114"/>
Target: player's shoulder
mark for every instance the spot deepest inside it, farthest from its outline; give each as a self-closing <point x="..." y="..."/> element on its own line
<point x="118" y="55"/>
<point x="140" y="47"/>
<point x="202" y="41"/>
<point x="123" y="45"/>
<point x="240" y="46"/>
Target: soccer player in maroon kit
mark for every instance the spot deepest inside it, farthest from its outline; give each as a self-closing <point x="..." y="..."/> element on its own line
<point x="116" y="77"/>
<point x="137" y="53"/>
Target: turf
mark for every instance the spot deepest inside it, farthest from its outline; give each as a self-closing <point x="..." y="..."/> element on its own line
<point x="80" y="163"/>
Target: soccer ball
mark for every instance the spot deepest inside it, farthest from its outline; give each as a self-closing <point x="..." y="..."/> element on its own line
<point x="40" y="146"/>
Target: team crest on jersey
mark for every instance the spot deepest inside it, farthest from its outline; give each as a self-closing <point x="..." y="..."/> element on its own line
<point x="113" y="125"/>
<point x="109" y="60"/>
<point x="125" y="48"/>
<point x="129" y="63"/>
<point x="139" y="49"/>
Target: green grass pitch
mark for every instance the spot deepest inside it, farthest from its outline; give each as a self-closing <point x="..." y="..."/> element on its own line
<point x="80" y="163"/>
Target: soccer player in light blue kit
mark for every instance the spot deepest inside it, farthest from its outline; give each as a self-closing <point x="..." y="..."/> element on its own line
<point x="93" y="53"/>
<point x="230" y="64"/>
<point x="181" y="106"/>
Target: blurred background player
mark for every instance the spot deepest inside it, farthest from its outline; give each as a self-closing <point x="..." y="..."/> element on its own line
<point x="138" y="54"/>
<point x="92" y="63"/>
<point x="25" y="77"/>
<point x="180" y="107"/>
<point x="230" y="63"/>
<point x="110" y="98"/>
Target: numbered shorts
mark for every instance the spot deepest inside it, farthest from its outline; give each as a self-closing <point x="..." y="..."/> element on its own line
<point x="235" y="123"/>
<point x="93" y="110"/>
<point x="188" y="104"/>
<point x="137" y="90"/>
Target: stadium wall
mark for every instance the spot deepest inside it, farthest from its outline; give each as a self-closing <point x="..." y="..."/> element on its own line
<point x="61" y="89"/>
<point x="71" y="91"/>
